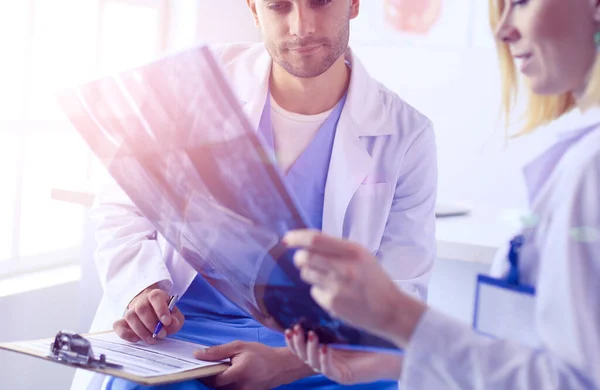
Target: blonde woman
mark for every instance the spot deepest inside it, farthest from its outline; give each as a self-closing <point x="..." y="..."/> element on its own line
<point x="550" y="337"/>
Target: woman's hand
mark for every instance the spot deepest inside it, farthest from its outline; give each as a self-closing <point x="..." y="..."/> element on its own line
<point x="351" y="285"/>
<point x="343" y="366"/>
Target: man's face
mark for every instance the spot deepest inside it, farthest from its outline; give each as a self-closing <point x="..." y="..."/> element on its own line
<point x="305" y="37"/>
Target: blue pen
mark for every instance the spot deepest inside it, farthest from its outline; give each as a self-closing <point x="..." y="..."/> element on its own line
<point x="159" y="326"/>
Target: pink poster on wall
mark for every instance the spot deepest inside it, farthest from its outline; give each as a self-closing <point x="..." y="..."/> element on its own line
<point x="412" y="16"/>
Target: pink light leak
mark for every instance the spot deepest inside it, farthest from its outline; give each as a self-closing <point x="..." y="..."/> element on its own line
<point x="413" y="16"/>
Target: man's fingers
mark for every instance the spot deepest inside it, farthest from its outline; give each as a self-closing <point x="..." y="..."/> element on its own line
<point x="159" y="300"/>
<point x="220" y="352"/>
<point x="124" y="331"/>
<point x="177" y="320"/>
<point x="145" y="314"/>
<point x="228" y="377"/>
<point x="136" y="324"/>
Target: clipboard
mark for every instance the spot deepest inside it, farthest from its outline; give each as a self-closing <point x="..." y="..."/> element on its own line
<point x="196" y="373"/>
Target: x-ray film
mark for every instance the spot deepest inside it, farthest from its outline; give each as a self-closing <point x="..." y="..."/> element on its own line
<point x="175" y="138"/>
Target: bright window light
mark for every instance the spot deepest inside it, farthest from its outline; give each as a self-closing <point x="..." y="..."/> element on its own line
<point x="49" y="45"/>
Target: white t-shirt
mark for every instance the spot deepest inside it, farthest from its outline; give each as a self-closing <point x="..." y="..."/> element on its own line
<point x="292" y="133"/>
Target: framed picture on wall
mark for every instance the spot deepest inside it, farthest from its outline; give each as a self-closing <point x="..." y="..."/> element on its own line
<point x="413" y="23"/>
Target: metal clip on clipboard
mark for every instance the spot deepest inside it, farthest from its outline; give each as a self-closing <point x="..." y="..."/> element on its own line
<point x="75" y="349"/>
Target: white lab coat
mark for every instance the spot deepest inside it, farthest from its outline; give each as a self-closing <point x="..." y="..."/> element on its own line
<point x="561" y="258"/>
<point x="380" y="192"/>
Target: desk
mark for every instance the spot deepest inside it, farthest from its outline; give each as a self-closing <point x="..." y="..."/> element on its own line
<point x="466" y="247"/>
<point x="477" y="236"/>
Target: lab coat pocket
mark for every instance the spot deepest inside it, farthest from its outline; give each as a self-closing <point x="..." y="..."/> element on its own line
<point x="367" y="214"/>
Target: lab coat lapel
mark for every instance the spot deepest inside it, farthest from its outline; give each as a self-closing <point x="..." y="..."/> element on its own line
<point x="351" y="162"/>
<point x="349" y="166"/>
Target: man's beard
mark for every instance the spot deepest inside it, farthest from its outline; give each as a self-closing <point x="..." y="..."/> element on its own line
<point x="333" y="49"/>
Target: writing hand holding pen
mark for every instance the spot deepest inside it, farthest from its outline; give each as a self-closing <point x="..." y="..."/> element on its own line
<point x="144" y="312"/>
<point x="159" y="326"/>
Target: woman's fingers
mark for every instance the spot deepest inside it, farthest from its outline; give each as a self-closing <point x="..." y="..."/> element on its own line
<point x="304" y="258"/>
<point x="326" y="362"/>
<point x="324" y="271"/>
<point x="289" y="340"/>
<point x="312" y="351"/>
<point x="315" y="276"/>
<point x="299" y="342"/>
<point x="317" y="242"/>
<point x="324" y="298"/>
<point x="309" y="350"/>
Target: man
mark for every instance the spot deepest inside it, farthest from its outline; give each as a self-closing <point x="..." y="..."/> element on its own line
<point x="361" y="162"/>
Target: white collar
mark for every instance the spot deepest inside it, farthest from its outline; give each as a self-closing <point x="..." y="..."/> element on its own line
<point x="573" y="123"/>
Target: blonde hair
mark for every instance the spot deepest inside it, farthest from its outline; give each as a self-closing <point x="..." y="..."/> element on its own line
<point x="541" y="109"/>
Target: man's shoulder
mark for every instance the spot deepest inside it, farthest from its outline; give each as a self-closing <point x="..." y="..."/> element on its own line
<point x="395" y="117"/>
<point x="402" y="111"/>
<point x="384" y="108"/>
<point x="245" y="64"/>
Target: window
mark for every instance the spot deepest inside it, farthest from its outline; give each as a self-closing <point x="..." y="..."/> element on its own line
<point x="49" y="45"/>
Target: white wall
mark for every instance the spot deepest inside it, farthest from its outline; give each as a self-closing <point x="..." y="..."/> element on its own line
<point x="226" y="21"/>
<point x="211" y="21"/>
<point x="35" y="315"/>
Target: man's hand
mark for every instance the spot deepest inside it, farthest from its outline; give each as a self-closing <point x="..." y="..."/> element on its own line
<point x="144" y="312"/>
<point x="254" y="366"/>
